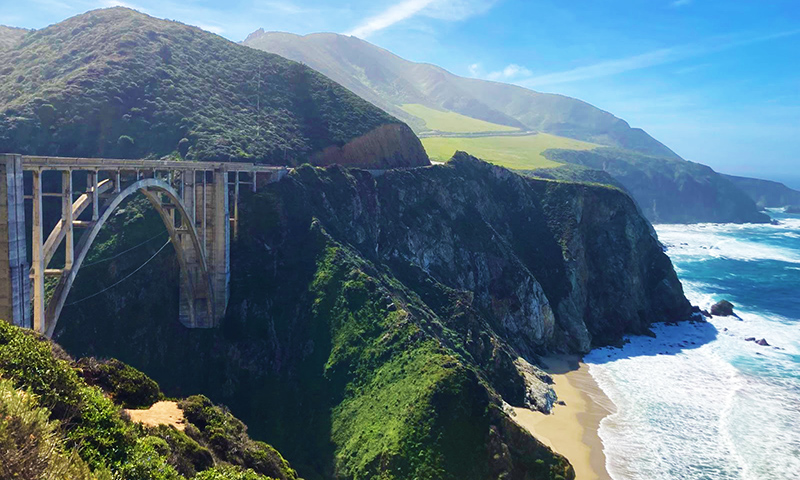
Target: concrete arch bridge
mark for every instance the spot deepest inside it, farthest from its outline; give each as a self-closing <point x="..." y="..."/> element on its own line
<point x="198" y="202"/>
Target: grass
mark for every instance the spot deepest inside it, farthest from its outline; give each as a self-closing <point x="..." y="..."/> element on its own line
<point x="515" y="152"/>
<point x="451" y="122"/>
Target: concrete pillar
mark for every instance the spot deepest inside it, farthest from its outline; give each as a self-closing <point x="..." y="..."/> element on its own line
<point x="91" y="183"/>
<point x="218" y="253"/>
<point x="37" y="241"/>
<point x="66" y="215"/>
<point x="236" y="206"/>
<point x="14" y="269"/>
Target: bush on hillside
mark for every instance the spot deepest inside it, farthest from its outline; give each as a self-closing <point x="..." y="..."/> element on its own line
<point x="30" y="445"/>
<point x="128" y="386"/>
<point x="227" y="437"/>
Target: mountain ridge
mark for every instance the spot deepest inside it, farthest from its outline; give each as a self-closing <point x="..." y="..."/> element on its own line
<point x="484" y="100"/>
<point x="766" y="193"/>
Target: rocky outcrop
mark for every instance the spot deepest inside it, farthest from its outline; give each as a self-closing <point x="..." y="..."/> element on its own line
<point x="388" y="146"/>
<point x="551" y="265"/>
<point x="722" y="308"/>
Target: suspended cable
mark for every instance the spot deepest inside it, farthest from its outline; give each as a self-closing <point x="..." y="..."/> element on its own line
<point x="123" y="279"/>
<point x="123" y="252"/>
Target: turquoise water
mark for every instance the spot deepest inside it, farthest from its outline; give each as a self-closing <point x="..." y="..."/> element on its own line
<point x="700" y="401"/>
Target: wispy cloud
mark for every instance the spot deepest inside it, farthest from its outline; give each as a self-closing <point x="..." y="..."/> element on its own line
<point x="649" y="59"/>
<point x="511" y="72"/>
<point x="448" y="10"/>
<point x="396" y="13"/>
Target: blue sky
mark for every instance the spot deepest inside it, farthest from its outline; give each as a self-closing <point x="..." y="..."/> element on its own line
<point x="718" y="81"/>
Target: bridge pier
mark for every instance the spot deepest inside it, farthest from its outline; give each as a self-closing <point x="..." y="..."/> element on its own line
<point x="14" y="282"/>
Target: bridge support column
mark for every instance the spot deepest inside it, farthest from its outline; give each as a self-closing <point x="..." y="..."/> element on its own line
<point x="195" y="311"/>
<point x="14" y="270"/>
<point x="218" y="233"/>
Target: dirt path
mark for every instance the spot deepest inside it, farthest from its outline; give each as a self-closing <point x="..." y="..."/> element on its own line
<point x="161" y="413"/>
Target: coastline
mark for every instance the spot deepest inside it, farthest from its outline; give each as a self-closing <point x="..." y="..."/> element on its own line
<point x="572" y="429"/>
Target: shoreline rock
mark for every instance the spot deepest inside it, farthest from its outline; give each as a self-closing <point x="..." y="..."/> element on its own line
<point x="722" y="308"/>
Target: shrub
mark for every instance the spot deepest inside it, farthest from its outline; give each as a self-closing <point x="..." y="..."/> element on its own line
<point x="31" y="447"/>
<point x="91" y="420"/>
<point x="127" y="385"/>
<point x="148" y="460"/>
<point x="230" y="473"/>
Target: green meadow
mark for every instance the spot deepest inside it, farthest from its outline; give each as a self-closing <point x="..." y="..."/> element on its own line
<point x="515" y="152"/>
<point x="451" y="122"/>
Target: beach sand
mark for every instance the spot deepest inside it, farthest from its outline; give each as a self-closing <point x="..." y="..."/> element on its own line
<point x="571" y="429"/>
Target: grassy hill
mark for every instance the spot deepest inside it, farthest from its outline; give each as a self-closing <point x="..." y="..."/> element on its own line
<point x="451" y="122"/>
<point x="516" y="152"/>
<point x="390" y="82"/>
<point x="118" y="83"/>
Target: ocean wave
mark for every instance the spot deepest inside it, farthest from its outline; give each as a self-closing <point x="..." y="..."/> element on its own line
<point x="700" y="400"/>
<point x="726" y="241"/>
<point x="687" y="411"/>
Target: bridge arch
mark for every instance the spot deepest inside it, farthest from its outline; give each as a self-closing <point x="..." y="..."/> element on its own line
<point x="197" y="296"/>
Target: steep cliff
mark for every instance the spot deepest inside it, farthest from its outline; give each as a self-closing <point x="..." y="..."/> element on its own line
<point x="376" y="325"/>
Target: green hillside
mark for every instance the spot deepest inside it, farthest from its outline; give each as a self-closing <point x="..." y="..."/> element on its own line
<point x="516" y="152"/>
<point x="451" y="122"/>
<point x="62" y="419"/>
<point x="10" y="37"/>
<point x="391" y="82"/>
<point x="118" y="83"/>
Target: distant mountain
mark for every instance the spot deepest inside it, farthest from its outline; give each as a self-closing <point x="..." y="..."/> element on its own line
<point x="669" y="190"/>
<point x="118" y="83"/>
<point x="399" y="87"/>
<point x="520" y="129"/>
<point x="10" y="36"/>
<point x="766" y="193"/>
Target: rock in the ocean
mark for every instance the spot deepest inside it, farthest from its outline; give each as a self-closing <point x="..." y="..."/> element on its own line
<point x="722" y="309"/>
<point x="763" y="342"/>
<point x="750" y="339"/>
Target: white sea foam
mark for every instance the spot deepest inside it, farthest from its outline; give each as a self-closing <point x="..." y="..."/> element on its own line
<point x="699" y="401"/>
<point x="707" y="241"/>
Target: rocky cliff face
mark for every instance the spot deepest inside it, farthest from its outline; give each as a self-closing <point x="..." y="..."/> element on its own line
<point x="388" y="146"/>
<point x="552" y="265"/>
<point x="377" y="324"/>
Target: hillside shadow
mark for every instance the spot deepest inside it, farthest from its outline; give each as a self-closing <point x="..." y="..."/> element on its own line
<point x="670" y="339"/>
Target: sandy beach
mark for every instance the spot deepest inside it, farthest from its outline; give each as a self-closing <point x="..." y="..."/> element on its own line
<point x="571" y="429"/>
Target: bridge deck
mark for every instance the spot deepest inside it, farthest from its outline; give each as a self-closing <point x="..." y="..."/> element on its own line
<point x="70" y="163"/>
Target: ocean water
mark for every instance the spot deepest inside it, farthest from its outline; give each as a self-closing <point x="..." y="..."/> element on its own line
<point x="699" y="401"/>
